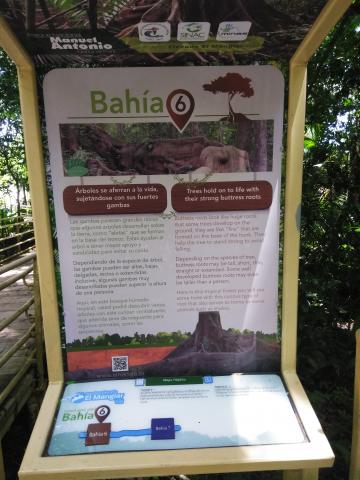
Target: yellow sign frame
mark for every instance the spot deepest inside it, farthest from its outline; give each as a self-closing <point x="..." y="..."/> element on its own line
<point x="355" y="447"/>
<point x="299" y="461"/>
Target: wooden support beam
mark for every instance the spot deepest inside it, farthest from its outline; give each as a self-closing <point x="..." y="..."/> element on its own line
<point x="355" y="449"/>
<point x="307" y="474"/>
<point x="2" y="467"/>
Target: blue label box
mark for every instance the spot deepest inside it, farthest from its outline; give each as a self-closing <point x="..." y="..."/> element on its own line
<point x="162" y="429"/>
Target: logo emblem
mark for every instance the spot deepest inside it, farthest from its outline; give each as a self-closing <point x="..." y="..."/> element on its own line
<point x="109" y="395"/>
<point x="193" y="31"/>
<point x="180" y="106"/>
<point x="154" y="31"/>
<point x="102" y="412"/>
<point x="233" y="31"/>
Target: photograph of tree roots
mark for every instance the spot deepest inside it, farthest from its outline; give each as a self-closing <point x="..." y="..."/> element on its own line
<point x="106" y="32"/>
<point x="329" y="301"/>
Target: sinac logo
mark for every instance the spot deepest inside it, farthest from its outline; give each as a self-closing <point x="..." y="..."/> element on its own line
<point x="193" y="31"/>
<point x="193" y="28"/>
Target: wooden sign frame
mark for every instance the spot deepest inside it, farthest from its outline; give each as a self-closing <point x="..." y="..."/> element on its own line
<point x="299" y="461"/>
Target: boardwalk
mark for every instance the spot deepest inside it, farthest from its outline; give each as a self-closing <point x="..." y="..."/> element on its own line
<point x="11" y="299"/>
<point x="21" y="360"/>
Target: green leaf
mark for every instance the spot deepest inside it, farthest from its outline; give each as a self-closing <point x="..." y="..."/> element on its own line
<point x="77" y="171"/>
<point x="309" y="143"/>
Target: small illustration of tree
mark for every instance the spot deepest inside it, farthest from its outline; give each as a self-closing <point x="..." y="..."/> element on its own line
<point x="232" y="84"/>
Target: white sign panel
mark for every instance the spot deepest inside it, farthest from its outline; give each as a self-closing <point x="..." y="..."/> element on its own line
<point x="166" y="191"/>
<point x="132" y="415"/>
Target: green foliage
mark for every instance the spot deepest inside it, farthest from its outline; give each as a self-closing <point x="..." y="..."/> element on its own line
<point x="160" y="339"/>
<point x="331" y="208"/>
<point x="329" y="297"/>
<point x="13" y="172"/>
<point x="326" y="366"/>
<point x="76" y="163"/>
<point x="9" y="95"/>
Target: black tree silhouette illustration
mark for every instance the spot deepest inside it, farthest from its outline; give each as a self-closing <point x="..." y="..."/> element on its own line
<point x="232" y="84"/>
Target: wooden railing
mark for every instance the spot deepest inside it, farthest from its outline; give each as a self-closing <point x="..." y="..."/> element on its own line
<point x="16" y="236"/>
<point x="27" y="378"/>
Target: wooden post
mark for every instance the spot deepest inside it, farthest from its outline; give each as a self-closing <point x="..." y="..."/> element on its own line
<point x="355" y="448"/>
<point x="308" y="474"/>
<point x="38" y="329"/>
<point x="2" y="466"/>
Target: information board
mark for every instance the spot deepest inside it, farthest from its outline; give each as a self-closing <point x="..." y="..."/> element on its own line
<point x="166" y="195"/>
<point x="174" y="413"/>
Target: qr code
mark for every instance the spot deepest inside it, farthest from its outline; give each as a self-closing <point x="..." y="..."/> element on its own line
<point x="120" y="364"/>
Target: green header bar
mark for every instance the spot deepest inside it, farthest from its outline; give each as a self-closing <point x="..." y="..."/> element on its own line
<point x="188" y="380"/>
<point x="251" y="44"/>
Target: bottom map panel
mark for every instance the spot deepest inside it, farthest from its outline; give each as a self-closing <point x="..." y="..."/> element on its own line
<point x="174" y="413"/>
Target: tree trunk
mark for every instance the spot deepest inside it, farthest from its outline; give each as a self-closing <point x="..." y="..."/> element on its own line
<point x="354" y="164"/>
<point x="69" y="139"/>
<point x="260" y="163"/>
<point x="195" y="130"/>
<point x="243" y="137"/>
<point x="251" y="135"/>
<point x="94" y="140"/>
<point x="18" y="204"/>
<point x="24" y="195"/>
<point x="120" y="130"/>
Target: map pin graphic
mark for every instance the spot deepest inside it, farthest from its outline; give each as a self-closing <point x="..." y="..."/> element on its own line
<point x="180" y="106"/>
<point x="102" y="412"/>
